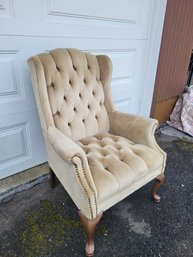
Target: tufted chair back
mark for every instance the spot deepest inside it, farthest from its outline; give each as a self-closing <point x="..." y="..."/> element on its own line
<point x="73" y="91"/>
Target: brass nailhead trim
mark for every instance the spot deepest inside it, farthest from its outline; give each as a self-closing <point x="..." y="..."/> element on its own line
<point x="88" y="197"/>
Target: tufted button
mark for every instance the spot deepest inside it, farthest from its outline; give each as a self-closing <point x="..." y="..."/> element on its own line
<point x="69" y="124"/>
<point x="57" y="68"/>
<point x="58" y="113"/>
<point x="80" y="95"/>
<point x="64" y="98"/>
<point x="84" y="81"/>
<point x="96" y="117"/>
<point x="74" y="109"/>
<point x="70" y="82"/>
<point x="88" y="67"/>
<point x="74" y="68"/>
<point x="83" y="120"/>
<point x="93" y="92"/>
<point x="89" y="106"/>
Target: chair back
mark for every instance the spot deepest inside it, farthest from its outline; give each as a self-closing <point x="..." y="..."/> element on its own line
<point x="70" y="92"/>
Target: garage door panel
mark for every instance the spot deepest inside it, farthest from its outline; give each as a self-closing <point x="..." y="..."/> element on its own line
<point x="6" y="9"/>
<point x="125" y="95"/>
<point x="123" y="63"/>
<point x="14" y="143"/>
<point x="11" y="80"/>
<point x="16" y="93"/>
<point x="134" y="20"/>
<point x="128" y="103"/>
<point x="108" y="19"/>
<point x="21" y="142"/>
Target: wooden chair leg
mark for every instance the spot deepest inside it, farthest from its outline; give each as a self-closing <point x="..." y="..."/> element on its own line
<point x="52" y="179"/>
<point x="89" y="228"/>
<point x="159" y="182"/>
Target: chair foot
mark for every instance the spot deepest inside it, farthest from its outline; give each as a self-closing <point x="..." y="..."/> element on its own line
<point x="159" y="182"/>
<point x="89" y="228"/>
<point x="52" y="179"/>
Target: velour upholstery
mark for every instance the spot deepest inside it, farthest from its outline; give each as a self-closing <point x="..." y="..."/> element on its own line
<point x="75" y="93"/>
<point x="117" y="162"/>
<point x="100" y="155"/>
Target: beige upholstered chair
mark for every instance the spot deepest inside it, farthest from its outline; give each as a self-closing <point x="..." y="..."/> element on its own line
<point x="99" y="155"/>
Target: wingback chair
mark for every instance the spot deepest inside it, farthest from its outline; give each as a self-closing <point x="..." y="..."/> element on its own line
<point x="99" y="155"/>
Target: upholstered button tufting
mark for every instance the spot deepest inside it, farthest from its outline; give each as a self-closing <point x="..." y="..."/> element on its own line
<point x="134" y="163"/>
<point x="69" y="124"/>
<point x="83" y="120"/>
<point x="74" y="109"/>
<point x="76" y="86"/>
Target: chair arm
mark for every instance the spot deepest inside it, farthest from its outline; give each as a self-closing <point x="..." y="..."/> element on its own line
<point x="136" y="128"/>
<point x="70" y="152"/>
<point x="64" y="146"/>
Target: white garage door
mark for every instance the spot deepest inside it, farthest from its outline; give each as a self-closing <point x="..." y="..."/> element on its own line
<point x="128" y="31"/>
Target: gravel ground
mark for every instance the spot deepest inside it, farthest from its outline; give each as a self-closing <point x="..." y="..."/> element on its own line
<point x="41" y="222"/>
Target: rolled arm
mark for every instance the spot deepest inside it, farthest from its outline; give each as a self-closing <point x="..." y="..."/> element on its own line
<point x="136" y="128"/>
<point x="69" y="151"/>
<point x="64" y="146"/>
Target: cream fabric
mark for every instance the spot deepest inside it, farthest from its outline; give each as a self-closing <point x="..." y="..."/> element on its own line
<point x="116" y="162"/>
<point x="75" y="92"/>
<point x="99" y="155"/>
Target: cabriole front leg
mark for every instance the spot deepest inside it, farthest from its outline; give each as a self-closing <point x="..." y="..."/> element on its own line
<point x="159" y="182"/>
<point x="89" y="228"/>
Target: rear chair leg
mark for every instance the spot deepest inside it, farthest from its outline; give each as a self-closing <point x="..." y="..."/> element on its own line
<point x="52" y="179"/>
<point x="159" y="182"/>
<point x="89" y="228"/>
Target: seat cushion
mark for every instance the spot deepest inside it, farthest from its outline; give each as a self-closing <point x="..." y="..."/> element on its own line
<point x="116" y="162"/>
